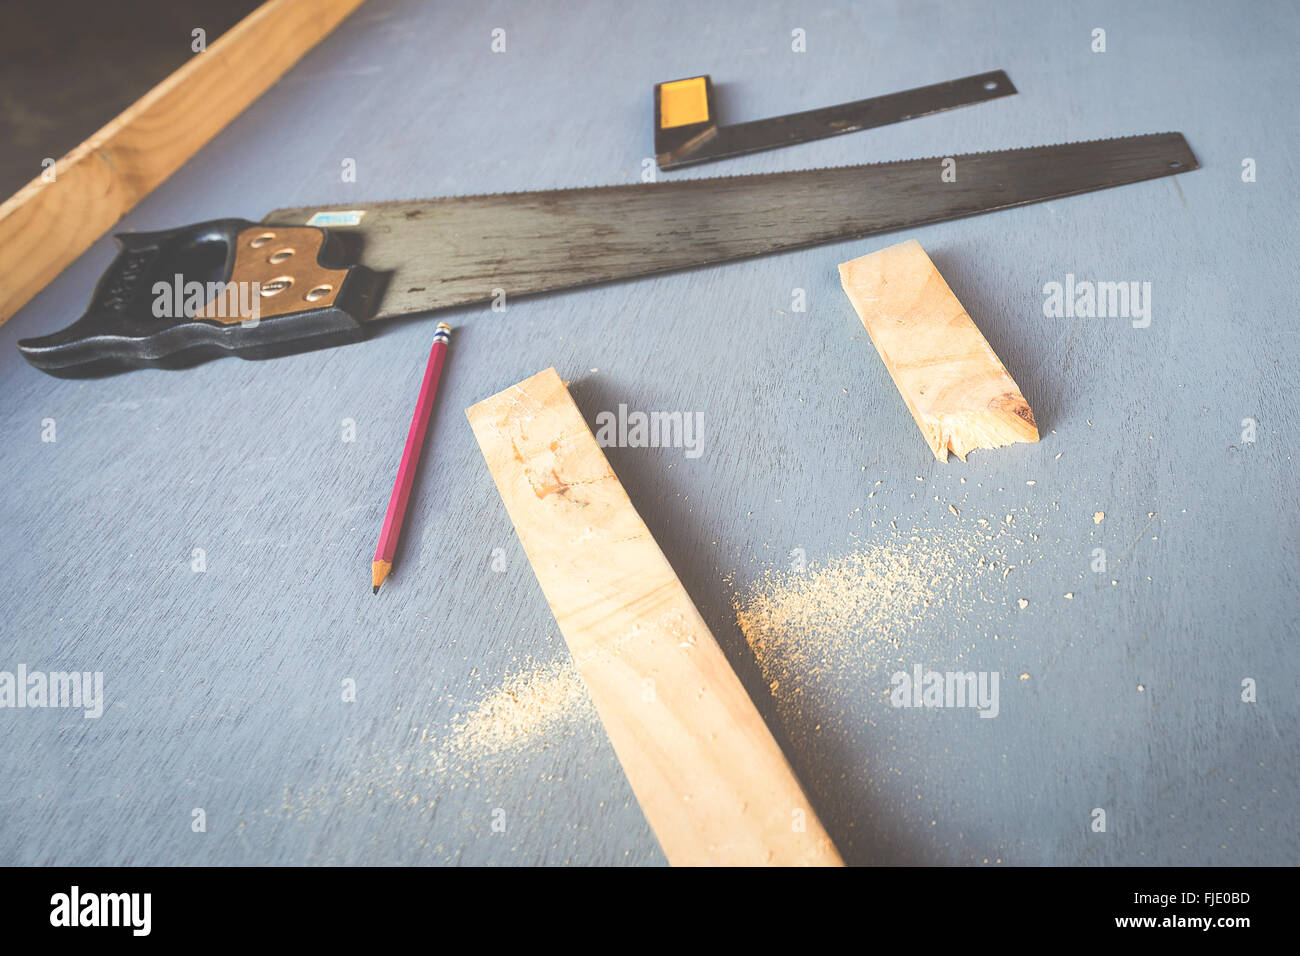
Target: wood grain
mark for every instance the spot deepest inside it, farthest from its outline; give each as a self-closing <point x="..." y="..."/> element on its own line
<point x="951" y="379"/>
<point x="45" y="225"/>
<point x="712" y="782"/>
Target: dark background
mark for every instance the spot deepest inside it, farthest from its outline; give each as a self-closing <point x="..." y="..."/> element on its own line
<point x="67" y="67"/>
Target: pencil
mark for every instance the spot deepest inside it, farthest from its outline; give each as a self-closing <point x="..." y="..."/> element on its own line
<point x="392" y="530"/>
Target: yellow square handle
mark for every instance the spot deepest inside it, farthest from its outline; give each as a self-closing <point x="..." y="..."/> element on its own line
<point x="683" y="103"/>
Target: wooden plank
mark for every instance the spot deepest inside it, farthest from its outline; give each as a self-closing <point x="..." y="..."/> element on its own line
<point x="46" y="225"/>
<point x="710" y="779"/>
<point x="951" y="379"/>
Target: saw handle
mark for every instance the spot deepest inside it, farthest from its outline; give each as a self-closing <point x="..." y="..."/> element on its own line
<point x="225" y="287"/>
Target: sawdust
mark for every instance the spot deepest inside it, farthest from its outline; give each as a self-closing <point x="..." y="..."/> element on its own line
<point x="827" y="641"/>
<point x="793" y="618"/>
<point x="509" y="723"/>
<point x="820" y="633"/>
<point x="526" y="708"/>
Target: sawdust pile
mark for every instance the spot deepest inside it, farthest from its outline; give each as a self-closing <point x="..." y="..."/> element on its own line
<point x="531" y="708"/>
<point x="789" y="616"/>
<point x="525" y="709"/>
<point x="846" y="619"/>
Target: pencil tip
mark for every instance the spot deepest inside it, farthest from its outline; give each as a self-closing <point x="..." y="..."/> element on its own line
<point x="375" y="589"/>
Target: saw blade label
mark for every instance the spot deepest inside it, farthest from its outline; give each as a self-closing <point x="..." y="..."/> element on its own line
<point x="337" y="217"/>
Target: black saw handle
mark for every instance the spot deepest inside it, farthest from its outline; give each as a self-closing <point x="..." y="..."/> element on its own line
<point x="226" y="287"/>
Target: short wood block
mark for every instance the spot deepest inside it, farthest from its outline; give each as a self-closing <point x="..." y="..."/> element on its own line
<point x="952" y="381"/>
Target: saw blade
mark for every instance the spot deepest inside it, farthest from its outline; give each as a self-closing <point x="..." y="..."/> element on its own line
<point x="462" y="250"/>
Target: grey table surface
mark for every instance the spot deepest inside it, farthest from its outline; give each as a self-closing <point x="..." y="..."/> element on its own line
<point x="222" y="688"/>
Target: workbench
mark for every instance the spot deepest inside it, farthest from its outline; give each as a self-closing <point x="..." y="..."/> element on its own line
<point x="203" y="537"/>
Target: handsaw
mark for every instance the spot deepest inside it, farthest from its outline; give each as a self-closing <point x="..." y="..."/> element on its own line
<point x="326" y="275"/>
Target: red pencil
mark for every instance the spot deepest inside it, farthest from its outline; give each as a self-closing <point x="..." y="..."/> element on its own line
<point x="392" y="529"/>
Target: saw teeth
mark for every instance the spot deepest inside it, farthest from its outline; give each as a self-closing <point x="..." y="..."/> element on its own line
<point x="677" y="183"/>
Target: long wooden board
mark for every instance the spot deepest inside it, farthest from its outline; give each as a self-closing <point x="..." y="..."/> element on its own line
<point x="954" y="385"/>
<point x="47" y="224"/>
<point x="710" y="778"/>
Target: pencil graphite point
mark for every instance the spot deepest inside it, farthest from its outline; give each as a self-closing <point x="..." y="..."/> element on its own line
<point x="379" y="573"/>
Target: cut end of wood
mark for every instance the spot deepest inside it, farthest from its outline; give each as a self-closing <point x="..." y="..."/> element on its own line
<point x="1002" y="423"/>
<point x="379" y="573"/>
<point x="954" y="385"/>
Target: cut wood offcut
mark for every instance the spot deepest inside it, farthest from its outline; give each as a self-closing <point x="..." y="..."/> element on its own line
<point x="710" y="778"/>
<point x="951" y="379"/>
